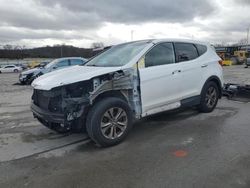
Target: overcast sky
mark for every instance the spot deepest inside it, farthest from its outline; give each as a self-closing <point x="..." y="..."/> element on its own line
<point x="81" y="22"/>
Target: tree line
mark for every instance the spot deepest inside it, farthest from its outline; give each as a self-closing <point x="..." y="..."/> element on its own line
<point x="57" y="51"/>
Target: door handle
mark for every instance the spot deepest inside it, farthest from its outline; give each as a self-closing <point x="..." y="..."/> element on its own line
<point x="204" y="66"/>
<point x="176" y="71"/>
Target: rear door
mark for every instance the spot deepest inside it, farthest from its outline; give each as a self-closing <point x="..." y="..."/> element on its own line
<point x="187" y="57"/>
<point x="160" y="78"/>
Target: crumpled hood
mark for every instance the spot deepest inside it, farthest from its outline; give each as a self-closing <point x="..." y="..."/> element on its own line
<point x="70" y="75"/>
<point x="34" y="71"/>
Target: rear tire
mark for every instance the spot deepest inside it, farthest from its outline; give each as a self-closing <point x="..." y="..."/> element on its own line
<point x="209" y="97"/>
<point x="109" y="121"/>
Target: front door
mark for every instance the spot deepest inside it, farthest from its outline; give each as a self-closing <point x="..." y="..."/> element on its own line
<point x="160" y="78"/>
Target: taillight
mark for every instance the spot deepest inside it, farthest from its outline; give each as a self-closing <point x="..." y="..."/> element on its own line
<point x="220" y="62"/>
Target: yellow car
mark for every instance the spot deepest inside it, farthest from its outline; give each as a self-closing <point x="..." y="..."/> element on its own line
<point x="33" y="64"/>
<point x="227" y="62"/>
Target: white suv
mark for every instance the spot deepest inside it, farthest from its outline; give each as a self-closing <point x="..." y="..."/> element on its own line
<point x="129" y="81"/>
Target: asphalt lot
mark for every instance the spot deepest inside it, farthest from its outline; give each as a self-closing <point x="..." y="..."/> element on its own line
<point x="172" y="149"/>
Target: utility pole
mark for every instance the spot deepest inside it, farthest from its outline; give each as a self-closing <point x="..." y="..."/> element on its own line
<point x="247" y="38"/>
<point x="61" y="50"/>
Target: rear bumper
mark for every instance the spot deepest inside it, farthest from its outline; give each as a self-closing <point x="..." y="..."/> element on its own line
<point x="46" y="115"/>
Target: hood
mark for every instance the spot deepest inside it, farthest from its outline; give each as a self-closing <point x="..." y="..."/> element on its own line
<point x="70" y="75"/>
<point x="35" y="70"/>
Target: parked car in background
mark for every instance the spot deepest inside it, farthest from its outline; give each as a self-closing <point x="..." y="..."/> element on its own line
<point x="26" y="77"/>
<point x="23" y="66"/>
<point x="129" y="81"/>
<point x="10" y="68"/>
<point x="33" y="64"/>
<point x="42" y="64"/>
<point x="248" y="62"/>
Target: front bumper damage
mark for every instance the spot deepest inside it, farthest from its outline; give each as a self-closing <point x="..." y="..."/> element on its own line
<point x="46" y="115"/>
<point x="57" y="108"/>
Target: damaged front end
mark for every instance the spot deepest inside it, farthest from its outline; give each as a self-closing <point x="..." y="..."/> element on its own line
<point x="65" y="108"/>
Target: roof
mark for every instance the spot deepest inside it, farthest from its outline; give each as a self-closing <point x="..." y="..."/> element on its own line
<point x="65" y="58"/>
<point x="179" y="40"/>
<point x="169" y="40"/>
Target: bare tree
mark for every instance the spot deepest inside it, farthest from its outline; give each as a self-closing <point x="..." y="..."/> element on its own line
<point x="8" y="47"/>
<point x="17" y="47"/>
<point x="242" y="41"/>
<point x="96" y="45"/>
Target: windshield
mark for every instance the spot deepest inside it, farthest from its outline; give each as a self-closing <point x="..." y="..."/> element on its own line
<point x="51" y="64"/>
<point x="118" y="55"/>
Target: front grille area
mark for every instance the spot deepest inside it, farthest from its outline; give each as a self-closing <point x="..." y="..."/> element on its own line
<point x="55" y="104"/>
<point x="48" y="100"/>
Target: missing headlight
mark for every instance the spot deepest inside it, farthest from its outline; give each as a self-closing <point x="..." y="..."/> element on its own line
<point x="80" y="89"/>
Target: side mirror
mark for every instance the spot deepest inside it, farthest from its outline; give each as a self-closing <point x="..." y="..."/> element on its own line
<point x="55" y="67"/>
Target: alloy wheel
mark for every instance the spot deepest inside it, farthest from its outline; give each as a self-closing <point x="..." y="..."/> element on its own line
<point x="114" y="123"/>
<point x="211" y="97"/>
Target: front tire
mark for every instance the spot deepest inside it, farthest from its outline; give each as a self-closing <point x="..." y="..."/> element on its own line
<point x="22" y="83"/>
<point x="209" y="97"/>
<point x="15" y="71"/>
<point x="109" y="121"/>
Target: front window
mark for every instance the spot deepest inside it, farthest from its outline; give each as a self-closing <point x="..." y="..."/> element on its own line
<point x="118" y="55"/>
<point x="51" y="64"/>
<point x="63" y="63"/>
<point x="162" y="54"/>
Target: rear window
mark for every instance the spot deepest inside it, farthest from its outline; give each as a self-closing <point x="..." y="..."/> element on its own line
<point x="185" y="52"/>
<point x="201" y="49"/>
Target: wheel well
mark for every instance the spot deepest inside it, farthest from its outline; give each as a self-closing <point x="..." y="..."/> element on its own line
<point x="217" y="81"/>
<point x="117" y="94"/>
